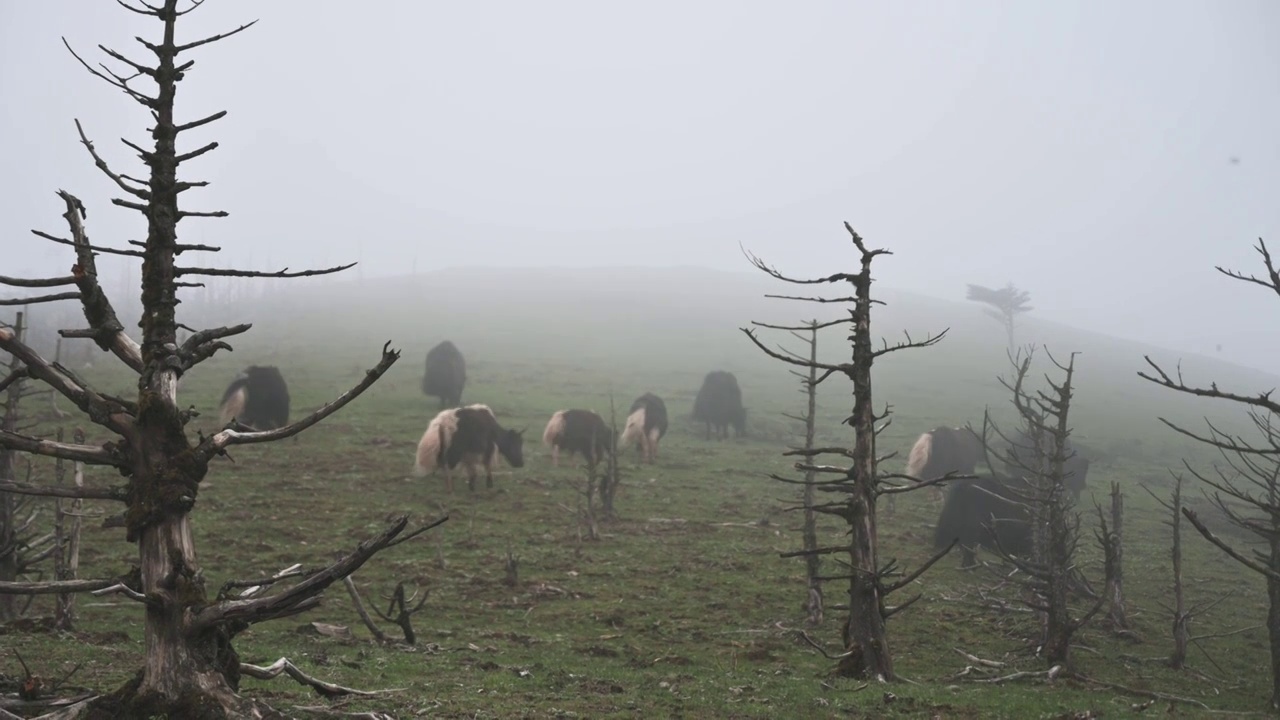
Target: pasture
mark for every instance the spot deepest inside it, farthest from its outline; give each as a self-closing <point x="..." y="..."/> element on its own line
<point x="683" y="607"/>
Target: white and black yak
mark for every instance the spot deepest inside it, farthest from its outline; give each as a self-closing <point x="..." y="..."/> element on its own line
<point x="646" y="425"/>
<point x="578" y="431"/>
<point x="940" y="451"/>
<point x="446" y="374"/>
<point x="719" y="403"/>
<point x="469" y="435"/>
<point x="257" y="398"/>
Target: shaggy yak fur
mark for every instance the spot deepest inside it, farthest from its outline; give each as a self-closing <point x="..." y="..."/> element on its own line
<point x="719" y="403"/>
<point x="258" y="398"/>
<point x="988" y="510"/>
<point x="446" y="374"/>
<point x="646" y="425"/>
<point x="469" y="435"/>
<point x="578" y="431"/>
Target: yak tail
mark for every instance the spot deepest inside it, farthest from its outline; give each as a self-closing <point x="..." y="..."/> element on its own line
<point x="434" y="442"/>
<point x="919" y="456"/>
<point x="233" y="406"/>
<point x="555" y="427"/>
<point x="634" y="430"/>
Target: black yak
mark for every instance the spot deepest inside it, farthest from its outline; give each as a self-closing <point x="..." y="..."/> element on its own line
<point x="646" y="425"/>
<point x="719" y="403"/>
<point x="469" y="435"/>
<point x="975" y="508"/>
<point x="578" y="431"/>
<point x="446" y="374"/>
<point x="257" y="398"/>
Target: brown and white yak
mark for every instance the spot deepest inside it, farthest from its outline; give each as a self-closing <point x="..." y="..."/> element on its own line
<point x="578" y="431"/>
<point x="646" y="425"/>
<point x="469" y="435"/>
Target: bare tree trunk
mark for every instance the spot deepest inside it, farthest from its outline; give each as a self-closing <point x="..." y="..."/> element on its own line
<point x="67" y="565"/>
<point x="1273" y="615"/>
<point x="1050" y="573"/>
<point x="866" y="641"/>
<point x="1117" y="610"/>
<point x="1181" y="618"/>
<point x="9" y="541"/>
<point x="609" y="483"/>
<point x="810" y="531"/>
<point x="866" y="646"/>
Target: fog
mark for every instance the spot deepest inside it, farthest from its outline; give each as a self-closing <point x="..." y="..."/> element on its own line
<point x="1103" y="156"/>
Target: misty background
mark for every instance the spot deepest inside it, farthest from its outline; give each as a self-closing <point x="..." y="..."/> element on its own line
<point x="1103" y="156"/>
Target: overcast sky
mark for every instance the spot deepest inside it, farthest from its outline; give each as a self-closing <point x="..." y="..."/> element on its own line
<point x="1083" y="150"/>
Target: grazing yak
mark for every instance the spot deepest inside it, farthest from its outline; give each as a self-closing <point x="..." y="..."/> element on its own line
<point x="446" y="374"/>
<point x="469" y="435"/>
<point x="646" y="425"/>
<point x="943" y="450"/>
<point x="719" y="403"/>
<point x="973" y="509"/>
<point x="578" y="431"/>
<point x="258" y="398"/>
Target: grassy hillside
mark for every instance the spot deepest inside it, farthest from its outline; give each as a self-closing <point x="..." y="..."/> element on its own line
<point x="683" y="607"/>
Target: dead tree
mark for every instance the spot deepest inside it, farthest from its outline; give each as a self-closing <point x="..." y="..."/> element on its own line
<point x="1251" y="474"/>
<point x="10" y="503"/>
<point x="609" y="481"/>
<point x="809" y="530"/>
<point x="1111" y="538"/>
<point x="66" y="528"/>
<point x="24" y="545"/>
<point x="1182" y="614"/>
<point x="865" y="638"/>
<point x="1004" y="305"/>
<point x="398" y="611"/>
<point x="1038" y="461"/>
<point x="190" y="661"/>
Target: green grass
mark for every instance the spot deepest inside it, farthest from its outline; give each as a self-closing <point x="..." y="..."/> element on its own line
<point x="682" y="608"/>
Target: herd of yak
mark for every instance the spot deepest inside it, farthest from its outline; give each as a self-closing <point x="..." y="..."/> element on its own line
<point x="981" y="511"/>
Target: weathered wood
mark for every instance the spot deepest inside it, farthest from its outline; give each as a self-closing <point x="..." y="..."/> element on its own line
<point x="865" y="638"/>
<point x="190" y="664"/>
<point x="8" y="502"/>
<point x="1117" y="608"/>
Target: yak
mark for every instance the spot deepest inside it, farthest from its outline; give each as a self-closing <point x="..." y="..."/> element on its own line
<point x="719" y="403"/>
<point x="469" y="435"/>
<point x="943" y="450"/>
<point x="257" y="398"/>
<point x="646" y="425"/>
<point x="974" y="509"/>
<point x="578" y="431"/>
<point x="446" y="374"/>
<point x="983" y="511"/>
